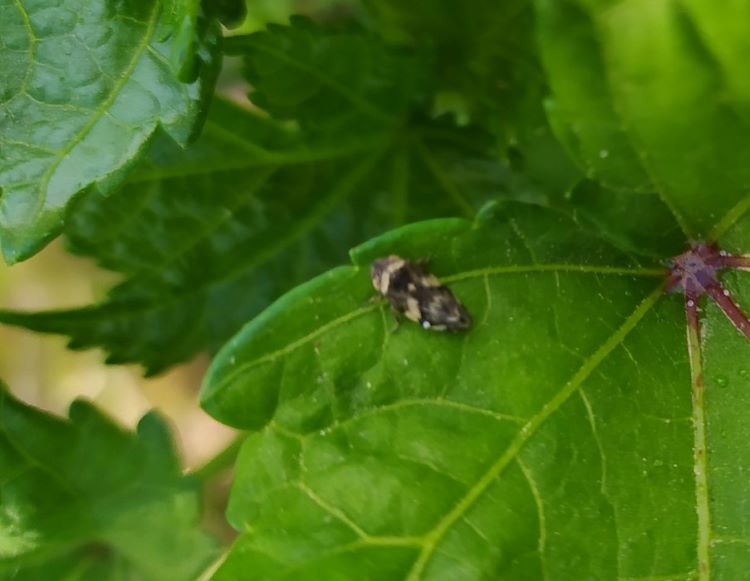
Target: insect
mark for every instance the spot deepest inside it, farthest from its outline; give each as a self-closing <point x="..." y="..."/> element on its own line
<point x="417" y="294"/>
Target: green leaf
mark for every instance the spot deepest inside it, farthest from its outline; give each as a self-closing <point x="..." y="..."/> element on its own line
<point x="651" y="96"/>
<point x="209" y="236"/>
<point x="481" y="54"/>
<point x="330" y="82"/>
<point x="553" y="440"/>
<point x="82" y="89"/>
<point x="481" y="57"/>
<point x="81" y="498"/>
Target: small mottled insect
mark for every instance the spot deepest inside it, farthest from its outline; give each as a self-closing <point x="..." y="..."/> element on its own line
<point x="417" y="294"/>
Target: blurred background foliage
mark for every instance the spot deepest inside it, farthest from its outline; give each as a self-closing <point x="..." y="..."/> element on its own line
<point x="45" y="373"/>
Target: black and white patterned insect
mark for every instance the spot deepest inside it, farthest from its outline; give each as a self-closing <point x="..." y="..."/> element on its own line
<point x="417" y="294"/>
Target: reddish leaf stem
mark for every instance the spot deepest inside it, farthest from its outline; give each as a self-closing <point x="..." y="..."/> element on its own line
<point x="734" y="313"/>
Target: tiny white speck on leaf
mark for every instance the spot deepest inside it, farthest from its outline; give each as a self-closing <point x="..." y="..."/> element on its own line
<point x="725" y="292"/>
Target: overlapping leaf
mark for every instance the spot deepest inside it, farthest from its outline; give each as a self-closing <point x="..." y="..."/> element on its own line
<point x="552" y="441"/>
<point x="209" y="236"/>
<point x="651" y="96"/>
<point x="82" y="89"/>
<point x="83" y="499"/>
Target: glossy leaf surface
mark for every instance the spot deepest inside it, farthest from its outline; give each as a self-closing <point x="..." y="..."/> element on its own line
<point x="82" y="88"/>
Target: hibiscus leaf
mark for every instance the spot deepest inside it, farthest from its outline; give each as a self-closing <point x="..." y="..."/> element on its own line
<point x="84" y="497"/>
<point x="82" y="89"/>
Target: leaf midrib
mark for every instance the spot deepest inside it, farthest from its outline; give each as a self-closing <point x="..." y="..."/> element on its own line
<point x="530" y="428"/>
<point x="511" y="453"/>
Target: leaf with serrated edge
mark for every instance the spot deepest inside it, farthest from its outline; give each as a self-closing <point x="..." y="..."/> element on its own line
<point x="83" y="497"/>
<point x="210" y="235"/>
<point x="83" y="86"/>
<point x="207" y="237"/>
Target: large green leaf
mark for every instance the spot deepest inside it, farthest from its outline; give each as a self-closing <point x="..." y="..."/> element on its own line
<point x="552" y="441"/>
<point x="210" y="235"/>
<point x="83" y="499"/>
<point x="651" y="96"/>
<point x="82" y="88"/>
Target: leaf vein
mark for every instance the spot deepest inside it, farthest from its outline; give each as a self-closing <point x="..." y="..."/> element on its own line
<point x="101" y="109"/>
<point x="529" y="429"/>
<point x="448" y="186"/>
<point x="540" y="512"/>
<point x="403" y="403"/>
<point x="332" y="510"/>
<point x="357" y="100"/>
<point x="271" y="357"/>
<point x="595" y="434"/>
